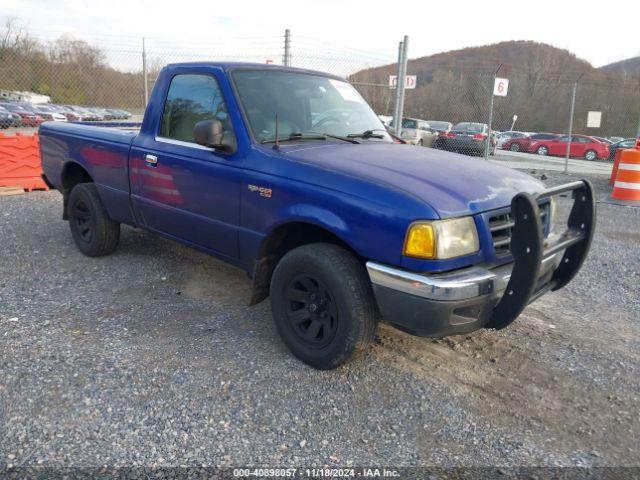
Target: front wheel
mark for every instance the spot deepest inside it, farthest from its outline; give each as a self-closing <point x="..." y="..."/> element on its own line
<point x="323" y="305"/>
<point x="542" y="150"/>
<point x="515" y="147"/>
<point x="590" y="155"/>
<point x="93" y="231"/>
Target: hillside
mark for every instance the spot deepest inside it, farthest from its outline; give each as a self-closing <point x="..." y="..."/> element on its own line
<point x="630" y="66"/>
<point x="456" y="86"/>
<point x="516" y="56"/>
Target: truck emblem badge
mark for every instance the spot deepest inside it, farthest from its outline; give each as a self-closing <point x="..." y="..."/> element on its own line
<point x="262" y="191"/>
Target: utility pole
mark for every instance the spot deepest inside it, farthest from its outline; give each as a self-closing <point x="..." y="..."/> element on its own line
<point x="402" y="73"/>
<point x="487" y="146"/>
<point x="286" y="58"/>
<point x="144" y="74"/>
<point x="573" y="106"/>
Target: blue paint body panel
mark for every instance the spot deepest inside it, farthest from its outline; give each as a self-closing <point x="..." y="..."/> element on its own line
<point x="366" y="194"/>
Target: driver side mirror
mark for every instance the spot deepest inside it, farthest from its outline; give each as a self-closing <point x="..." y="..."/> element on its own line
<point x="211" y="133"/>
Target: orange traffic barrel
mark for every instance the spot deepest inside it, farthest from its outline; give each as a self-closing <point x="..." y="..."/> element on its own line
<point x="626" y="188"/>
<point x="616" y="162"/>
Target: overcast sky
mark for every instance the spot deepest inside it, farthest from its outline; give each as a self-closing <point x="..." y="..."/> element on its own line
<point x="372" y="26"/>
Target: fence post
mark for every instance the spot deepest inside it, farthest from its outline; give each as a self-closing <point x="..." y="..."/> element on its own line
<point x="491" y="87"/>
<point x="286" y="58"/>
<point x="402" y="72"/>
<point x="573" y="107"/>
<point x="397" y="93"/>
<point x="144" y="74"/>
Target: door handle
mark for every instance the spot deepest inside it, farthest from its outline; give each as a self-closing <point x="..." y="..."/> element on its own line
<point x="151" y="160"/>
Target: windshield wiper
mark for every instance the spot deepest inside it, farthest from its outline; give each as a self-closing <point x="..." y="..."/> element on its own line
<point x="346" y="139"/>
<point x="304" y="136"/>
<point x="366" y="134"/>
<point x="295" y="136"/>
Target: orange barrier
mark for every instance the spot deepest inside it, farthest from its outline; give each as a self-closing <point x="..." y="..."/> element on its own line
<point x="614" y="171"/>
<point x="20" y="164"/>
<point x="626" y="187"/>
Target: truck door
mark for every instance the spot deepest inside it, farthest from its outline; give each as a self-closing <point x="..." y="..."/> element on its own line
<point x="183" y="189"/>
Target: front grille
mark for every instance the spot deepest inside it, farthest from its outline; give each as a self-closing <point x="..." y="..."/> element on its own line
<point x="501" y="227"/>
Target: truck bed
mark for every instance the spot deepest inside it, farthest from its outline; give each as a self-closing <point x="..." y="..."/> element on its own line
<point x="100" y="148"/>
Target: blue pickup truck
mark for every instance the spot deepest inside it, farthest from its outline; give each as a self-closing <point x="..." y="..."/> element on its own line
<point x="289" y="175"/>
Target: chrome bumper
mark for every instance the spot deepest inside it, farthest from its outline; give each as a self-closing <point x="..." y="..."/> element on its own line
<point x="462" y="284"/>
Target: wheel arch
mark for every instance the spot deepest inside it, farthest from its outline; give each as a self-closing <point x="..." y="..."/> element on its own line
<point x="72" y="174"/>
<point x="282" y="239"/>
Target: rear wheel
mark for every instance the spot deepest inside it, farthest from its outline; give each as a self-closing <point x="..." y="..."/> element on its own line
<point x="323" y="305"/>
<point x="590" y="155"/>
<point x="542" y="150"/>
<point x="93" y="231"/>
<point x="421" y="143"/>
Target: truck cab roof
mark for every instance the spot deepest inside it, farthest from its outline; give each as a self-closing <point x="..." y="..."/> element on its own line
<point x="227" y="66"/>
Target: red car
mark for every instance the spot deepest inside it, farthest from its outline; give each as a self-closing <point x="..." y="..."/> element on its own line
<point x="29" y="118"/>
<point x="522" y="144"/>
<point x="580" y="146"/>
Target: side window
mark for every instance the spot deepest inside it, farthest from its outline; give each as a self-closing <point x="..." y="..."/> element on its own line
<point x="564" y="138"/>
<point x="191" y="99"/>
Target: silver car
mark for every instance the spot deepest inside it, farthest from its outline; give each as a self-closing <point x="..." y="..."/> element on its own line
<point x="417" y="132"/>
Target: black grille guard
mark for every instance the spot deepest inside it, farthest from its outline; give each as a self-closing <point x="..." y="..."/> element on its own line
<point x="528" y="249"/>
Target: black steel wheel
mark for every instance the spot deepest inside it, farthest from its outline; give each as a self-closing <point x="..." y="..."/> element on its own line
<point x="323" y="305"/>
<point x="311" y="311"/>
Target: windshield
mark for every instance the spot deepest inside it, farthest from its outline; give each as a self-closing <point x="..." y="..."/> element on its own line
<point x="304" y="103"/>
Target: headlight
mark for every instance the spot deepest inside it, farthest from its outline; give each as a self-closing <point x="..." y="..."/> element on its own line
<point x="442" y="239"/>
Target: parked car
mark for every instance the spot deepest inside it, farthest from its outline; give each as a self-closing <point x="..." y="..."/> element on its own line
<point x="621" y="144"/>
<point x="504" y="137"/>
<point x="86" y="115"/>
<point x="579" y="146"/>
<point x="440" y="126"/>
<point x="523" y="144"/>
<point x="469" y="138"/>
<point x="123" y="113"/>
<point x="47" y="112"/>
<point x="615" y="139"/>
<point x="604" y="140"/>
<point x="6" y="118"/>
<point x="66" y="111"/>
<point x="338" y="225"/>
<point x="29" y="117"/>
<point x="416" y="132"/>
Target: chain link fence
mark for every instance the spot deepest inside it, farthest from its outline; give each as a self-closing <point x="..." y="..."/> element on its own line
<point x="116" y="71"/>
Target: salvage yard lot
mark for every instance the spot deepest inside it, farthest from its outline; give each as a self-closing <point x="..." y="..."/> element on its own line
<point x="151" y="357"/>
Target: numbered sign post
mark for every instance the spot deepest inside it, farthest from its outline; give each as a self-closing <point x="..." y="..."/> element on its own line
<point x="500" y="87"/>
<point x="410" y="81"/>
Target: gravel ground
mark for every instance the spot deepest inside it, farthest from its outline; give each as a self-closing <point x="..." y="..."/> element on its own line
<point x="149" y="357"/>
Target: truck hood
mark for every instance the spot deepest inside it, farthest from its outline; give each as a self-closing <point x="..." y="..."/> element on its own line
<point x="451" y="184"/>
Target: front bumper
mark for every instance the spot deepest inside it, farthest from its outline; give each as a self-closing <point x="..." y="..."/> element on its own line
<point x="461" y="301"/>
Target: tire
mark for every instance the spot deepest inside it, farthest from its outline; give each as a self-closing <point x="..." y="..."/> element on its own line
<point x="542" y="150"/>
<point x="515" y="147"/>
<point x="590" y="155"/>
<point x="323" y="305"/>
<point x="421" y="143"/>
<point x="93" y="231"/>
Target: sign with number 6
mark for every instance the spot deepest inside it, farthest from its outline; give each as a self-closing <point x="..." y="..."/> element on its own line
<point x="500" y="87"/>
